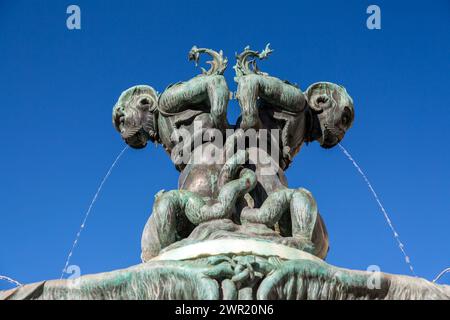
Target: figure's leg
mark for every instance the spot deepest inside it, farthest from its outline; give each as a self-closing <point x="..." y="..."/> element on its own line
<point x="203" y="90"/>
<point x="273" y="208"/>
<point x="295" y="210"/>
<point x="161" y="228"/>
<point x="272" y="91"/>
<point x="320" y="238"/>
<point x="305" y="225"/>
<point x="181" y="96"/>
<point x="219" y="95"/>
<point x="231" y="167"/>
<point x="236" y="189"/>
<point x="228" y="195"/>
<point x="303" y="214"/>
<point x="247" y="94"/>
<point x="281" y="94"/>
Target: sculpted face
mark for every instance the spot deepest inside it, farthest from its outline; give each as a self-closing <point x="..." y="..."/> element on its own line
<point x="134" y="116"/>
<point x="334" y="109"/>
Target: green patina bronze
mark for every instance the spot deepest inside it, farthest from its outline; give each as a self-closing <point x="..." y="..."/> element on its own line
<point x="234" y="229"/>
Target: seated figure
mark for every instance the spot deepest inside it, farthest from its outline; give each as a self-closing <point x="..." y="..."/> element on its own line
<point x="234" y="197"/>
<point x="207" y="189"/>
<point x="323" y="113"/>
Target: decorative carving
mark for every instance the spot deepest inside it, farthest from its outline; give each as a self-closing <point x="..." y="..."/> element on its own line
<point x="333" y="110"/>
<point x="233" y="229"/>
<point x="243" y="277"/>
<point x="171" y="209"/>
<point x="245" y="67"/>
<point x="218" y="64"/>
<point x="233" y="190"/>
<point x="135" y="116"/>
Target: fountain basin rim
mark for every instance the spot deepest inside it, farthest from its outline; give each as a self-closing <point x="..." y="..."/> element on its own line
<point x="236" y="247"/>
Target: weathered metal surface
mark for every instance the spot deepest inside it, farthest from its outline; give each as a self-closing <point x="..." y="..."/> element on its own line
<point x="235" y="276"/>
<point x="234" y="229"/>
<point x="234" y="187"/>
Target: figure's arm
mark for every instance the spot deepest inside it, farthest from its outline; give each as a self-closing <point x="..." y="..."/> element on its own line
<point x="254" y="85"/>
<point x="208" y="90"/>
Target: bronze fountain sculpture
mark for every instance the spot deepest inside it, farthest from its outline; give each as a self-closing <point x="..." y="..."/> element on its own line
<point x="234" y="229"/>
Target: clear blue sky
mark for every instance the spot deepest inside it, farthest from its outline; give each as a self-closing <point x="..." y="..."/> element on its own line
<point x="58" y="88"/>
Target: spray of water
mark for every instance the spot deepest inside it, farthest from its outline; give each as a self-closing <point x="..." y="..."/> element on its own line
<point x="86" y="216"/>
<point x="386" y="216"/>
<point x="10" y="280"/>
<point x="441" y="274"/>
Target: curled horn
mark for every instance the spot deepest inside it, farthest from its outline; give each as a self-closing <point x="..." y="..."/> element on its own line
<point x="323" y="101"/>
<point x="329" y="94"/>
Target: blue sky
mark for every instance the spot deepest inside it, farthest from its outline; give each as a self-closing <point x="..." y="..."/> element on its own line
<point x="58" y="88"/>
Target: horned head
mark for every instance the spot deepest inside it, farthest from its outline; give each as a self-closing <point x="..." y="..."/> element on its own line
<point x="333" y="108"/>
<point x="135" y="116"/>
